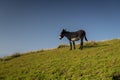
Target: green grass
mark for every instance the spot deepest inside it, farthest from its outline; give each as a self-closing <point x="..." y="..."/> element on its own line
<point x="97" y="61"/>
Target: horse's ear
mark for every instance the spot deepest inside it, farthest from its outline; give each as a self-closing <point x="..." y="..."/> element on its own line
<point x="64" y="29"/>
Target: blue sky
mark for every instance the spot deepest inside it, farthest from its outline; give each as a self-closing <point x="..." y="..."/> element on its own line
<point x="27" y="25"/>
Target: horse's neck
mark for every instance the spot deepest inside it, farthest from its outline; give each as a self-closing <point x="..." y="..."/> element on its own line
<point x="67" y="35"/>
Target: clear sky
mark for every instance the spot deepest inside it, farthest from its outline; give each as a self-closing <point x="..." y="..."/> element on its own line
<point x="27" y="25"/>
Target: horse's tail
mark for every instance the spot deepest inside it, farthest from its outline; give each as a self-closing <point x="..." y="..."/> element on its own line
<point x="86" y="37"/>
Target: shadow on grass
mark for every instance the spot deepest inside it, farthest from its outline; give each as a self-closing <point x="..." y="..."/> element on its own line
<point x="116" y="77"/>
<point x="93" y="46"/>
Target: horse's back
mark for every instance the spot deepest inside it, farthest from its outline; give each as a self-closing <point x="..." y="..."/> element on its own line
<point x="80" y="31"/>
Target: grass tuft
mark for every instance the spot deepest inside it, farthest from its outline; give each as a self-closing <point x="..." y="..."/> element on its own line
<point x="63" y="46"/>
<point x="91" y="44"/>
<point x="16" y="55"/>
<point x="7" y="58"/>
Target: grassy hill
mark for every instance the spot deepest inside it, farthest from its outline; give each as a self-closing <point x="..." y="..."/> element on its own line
<point x="97" y="61"/>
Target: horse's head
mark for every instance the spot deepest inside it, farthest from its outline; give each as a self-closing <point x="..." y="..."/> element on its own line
<point x="62" y="34"/>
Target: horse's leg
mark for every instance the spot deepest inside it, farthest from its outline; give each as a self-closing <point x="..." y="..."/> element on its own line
<point x="81" y="44"/>
<point x="74" y="44"/>
<point x="70" y="45"/>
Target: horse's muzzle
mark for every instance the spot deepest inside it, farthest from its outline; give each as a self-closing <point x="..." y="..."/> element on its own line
<point x="60" y="37"/>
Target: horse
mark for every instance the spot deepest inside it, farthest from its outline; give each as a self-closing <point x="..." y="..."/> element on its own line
<point x="74" y="36"/>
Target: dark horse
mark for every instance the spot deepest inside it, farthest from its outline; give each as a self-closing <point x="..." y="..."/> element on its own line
<point x="74" y="36"/>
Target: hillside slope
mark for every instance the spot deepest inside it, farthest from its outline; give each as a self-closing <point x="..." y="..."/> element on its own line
<point x="100" y="61"/>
